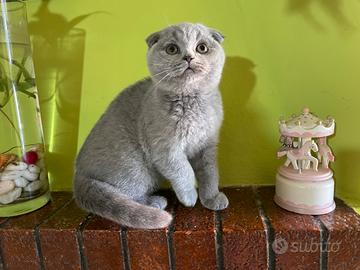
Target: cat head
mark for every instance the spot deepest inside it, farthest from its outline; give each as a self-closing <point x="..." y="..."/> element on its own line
<point x="186" y="56"/>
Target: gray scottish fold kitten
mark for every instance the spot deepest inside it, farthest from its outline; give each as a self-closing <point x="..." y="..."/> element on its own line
<point x="166" y="126"/>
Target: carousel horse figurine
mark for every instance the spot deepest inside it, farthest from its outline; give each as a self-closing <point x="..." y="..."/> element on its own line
<point x="325" y="155"/>
<point x="304" y="153"/>
<point x="288" y="143"/>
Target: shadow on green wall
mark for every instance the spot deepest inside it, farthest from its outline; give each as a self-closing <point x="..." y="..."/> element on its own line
<point x="333" y="9"/>
<point x="58" y="50"/>
<point x="347" y="173"/>
<point x="244" y="150"/>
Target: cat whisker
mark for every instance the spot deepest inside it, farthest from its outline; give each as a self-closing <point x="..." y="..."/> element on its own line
<point x="161" y="72"/>
<point x="163" y="60"/>
<point x="176" y="71"/>
<point x="161" y="80"/>
<point x="202" y="68"/>
<point x="162" y="65"/>
<point x="167" y="61"/>
<point x="178" y="64"/>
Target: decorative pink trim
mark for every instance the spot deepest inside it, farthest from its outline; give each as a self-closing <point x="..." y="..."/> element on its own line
<point x="306" y="134"/>
<point x="303" y="208"/>
<point x="305" y="175"/>
<point x="303" y="205"/>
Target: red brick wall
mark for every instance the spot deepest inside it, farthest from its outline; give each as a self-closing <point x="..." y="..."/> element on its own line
<point x="62" y="236"/>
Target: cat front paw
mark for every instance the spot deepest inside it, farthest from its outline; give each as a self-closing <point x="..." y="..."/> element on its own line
<point x="189" y="198"/>
<point x="218" y="202"/>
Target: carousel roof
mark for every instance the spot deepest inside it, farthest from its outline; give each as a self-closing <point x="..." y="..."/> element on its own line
<point x="307" y="125"/>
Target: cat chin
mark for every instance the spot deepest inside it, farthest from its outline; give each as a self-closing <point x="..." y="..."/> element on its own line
<point x="177" y="84"/>
<point x="188" y="78"/>
<point x="188" y="75"/>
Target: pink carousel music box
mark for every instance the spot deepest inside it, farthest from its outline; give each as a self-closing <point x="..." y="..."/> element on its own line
<point x="305" y="184"/>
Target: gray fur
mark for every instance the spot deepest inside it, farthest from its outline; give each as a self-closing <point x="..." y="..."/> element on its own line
<point x="166" y="126"/>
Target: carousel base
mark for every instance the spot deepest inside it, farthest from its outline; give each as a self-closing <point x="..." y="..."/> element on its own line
<point x="304" y="209"/>
<point x="305" y="196"/>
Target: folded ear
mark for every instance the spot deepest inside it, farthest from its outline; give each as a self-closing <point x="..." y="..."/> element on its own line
<point x="152" y="39"/>
<point x="217" y="35"/>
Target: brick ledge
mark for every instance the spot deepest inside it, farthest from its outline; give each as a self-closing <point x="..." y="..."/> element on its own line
<point x="62" y="236"/>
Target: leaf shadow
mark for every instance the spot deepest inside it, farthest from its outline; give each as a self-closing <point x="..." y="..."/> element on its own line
<point x="333" y="9"/>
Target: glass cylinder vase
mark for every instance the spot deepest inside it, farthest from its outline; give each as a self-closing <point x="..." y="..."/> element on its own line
<point x="23" y="175"/>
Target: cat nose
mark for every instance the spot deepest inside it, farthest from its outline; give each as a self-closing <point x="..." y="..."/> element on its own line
<point x="188" y="58"/>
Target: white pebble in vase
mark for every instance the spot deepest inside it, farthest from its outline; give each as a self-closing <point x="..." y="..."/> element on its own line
<point x="33" y="168"/>
<point x="6" y="186"/>
<point x="21" y="182"/>
<point x="17" y="166"/>
<point x="10" y="175"/>
<point x="10" y="196"/>
<point x="33" y="186"/>
<point x="29" y="175"/>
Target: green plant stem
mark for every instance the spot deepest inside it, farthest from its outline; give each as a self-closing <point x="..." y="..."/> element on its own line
<point x="11" y="123"/>
<point x="18" y="146"/>
<point x="26" y="92"/>
<point x="16" y="63"/>
<point x="22" y="70"/>
<point x="18" y="76"/>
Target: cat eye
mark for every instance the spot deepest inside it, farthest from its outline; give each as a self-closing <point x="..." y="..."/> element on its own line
<point x="202" y="48"/>
<point x="172" y="49"/>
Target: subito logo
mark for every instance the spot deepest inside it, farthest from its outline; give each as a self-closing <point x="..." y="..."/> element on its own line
<point x="280" y="245"/>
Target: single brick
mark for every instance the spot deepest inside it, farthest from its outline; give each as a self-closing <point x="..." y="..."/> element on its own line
<point x="297" y="241"/>
<point x="18" y="234"/>
<point x="194" y="238"/>
<point x="244" y="237"/>
<point x="343" y="243"/>
<point x="59" y="240"/>
<point x="102" y="244"/>
<point x="155" y="255"/>
<point x="148" y="248"/>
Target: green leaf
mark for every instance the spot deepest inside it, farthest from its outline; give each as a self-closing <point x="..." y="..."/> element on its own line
<point x="30" y="81"/>
<point x="4" y="93"/>
<point x="23" y="86"/>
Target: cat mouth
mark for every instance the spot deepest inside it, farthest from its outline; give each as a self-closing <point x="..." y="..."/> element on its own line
<point x="187" y="72"/>
<point x="189" y="69"/>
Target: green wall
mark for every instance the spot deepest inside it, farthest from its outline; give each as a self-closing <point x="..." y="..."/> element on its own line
<point x="281" y="55"/>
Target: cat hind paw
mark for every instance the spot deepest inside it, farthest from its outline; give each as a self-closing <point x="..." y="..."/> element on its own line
<point x="159" y="202"/>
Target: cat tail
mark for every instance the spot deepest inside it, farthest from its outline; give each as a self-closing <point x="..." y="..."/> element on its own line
<point x="107" y="201"/>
